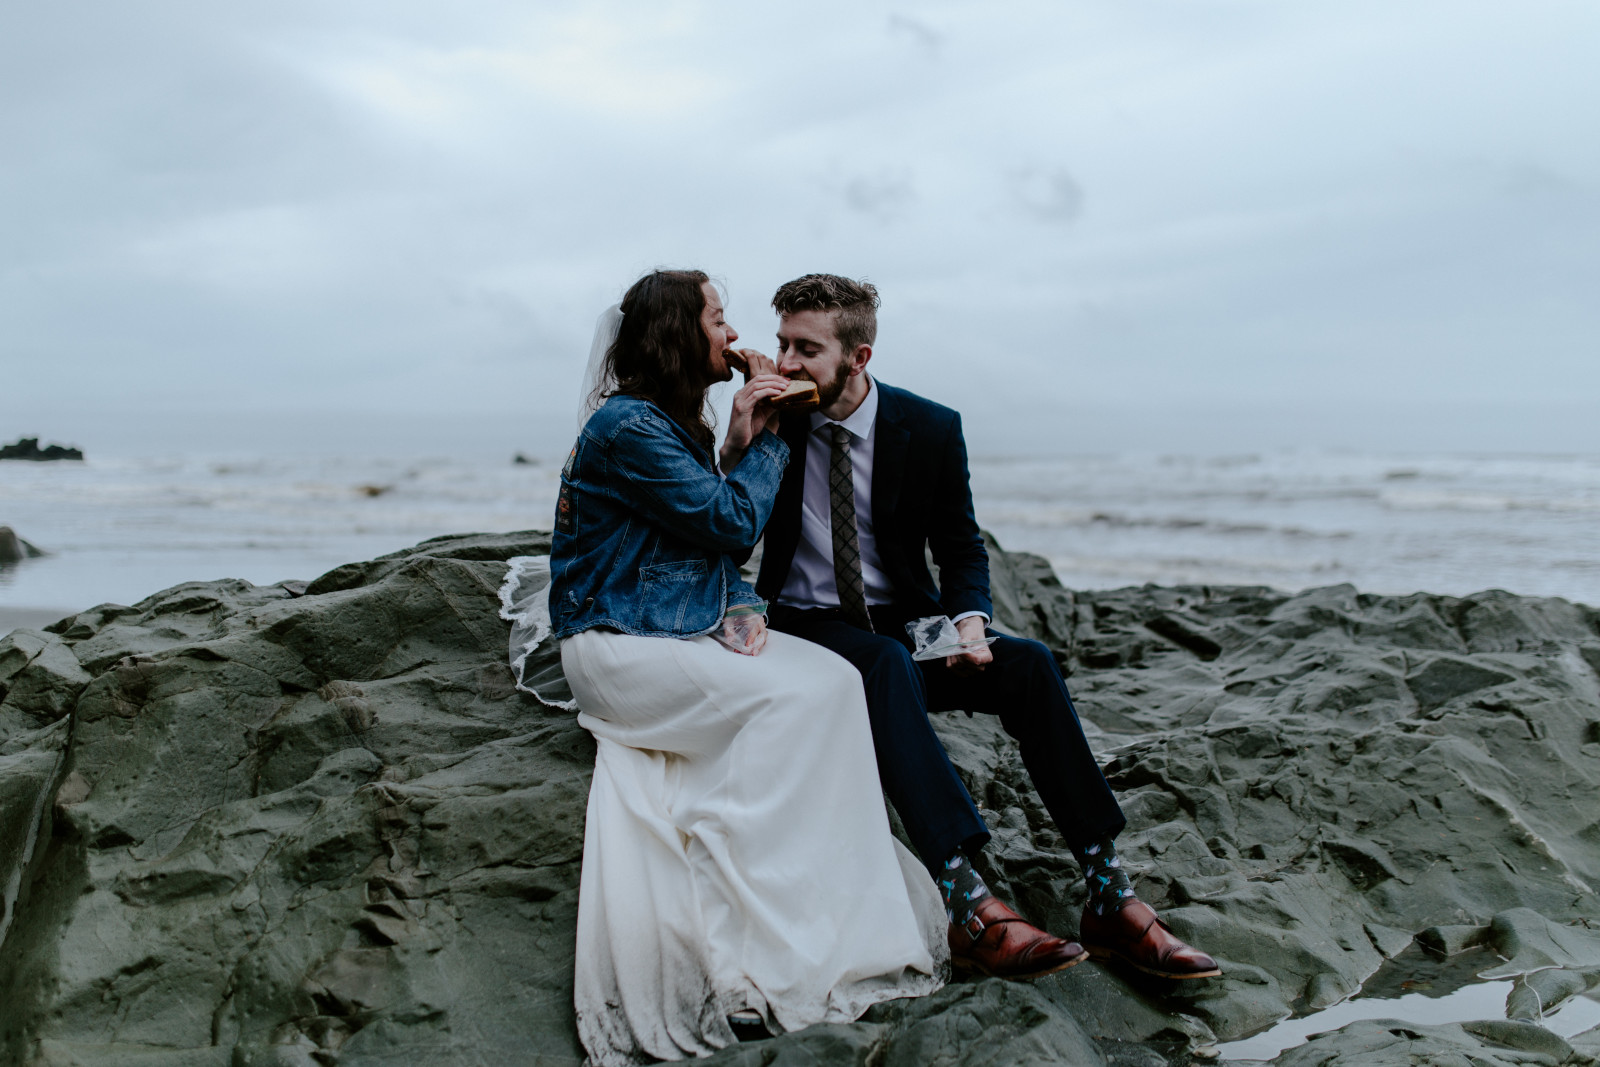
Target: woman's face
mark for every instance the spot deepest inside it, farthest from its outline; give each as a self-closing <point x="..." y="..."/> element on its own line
<point x="721" y="334"/>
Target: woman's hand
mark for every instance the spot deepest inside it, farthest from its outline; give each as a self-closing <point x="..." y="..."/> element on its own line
<point x="745" y="633"/>
<point x="752" y="407"/>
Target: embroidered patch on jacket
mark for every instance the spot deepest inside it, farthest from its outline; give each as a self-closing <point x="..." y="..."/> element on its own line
<point x="567" y="510"/>
<point x="567" y="502"/>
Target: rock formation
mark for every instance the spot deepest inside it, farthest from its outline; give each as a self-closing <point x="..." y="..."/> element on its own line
<point x="316" y="824"/>
<point x="14" y="549"/>
<point x="28" y="448"/>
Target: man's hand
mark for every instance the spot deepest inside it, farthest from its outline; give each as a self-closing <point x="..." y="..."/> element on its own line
<point x="970" y="629"/>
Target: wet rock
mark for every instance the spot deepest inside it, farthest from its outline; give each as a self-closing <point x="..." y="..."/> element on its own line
<point x="1387" y="940"/>
<point x="1537" y="994"/>
<point x="1587" y="1044"/>
<point x="14" y="549"/>
<point x="1450" y="939"/>
<point x="315" y="823"/>
<point x="1395" y="1043"/>
<point x="1517" y="1034"/>
<point x="1529" y="942"/>
<point x="980" y="1024"/>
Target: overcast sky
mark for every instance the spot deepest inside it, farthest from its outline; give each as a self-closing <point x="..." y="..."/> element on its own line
<point x="1095" y="225"/>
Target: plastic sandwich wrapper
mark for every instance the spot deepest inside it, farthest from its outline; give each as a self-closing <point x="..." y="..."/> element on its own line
<point x="935" y="637"/>
<point x="740" y="631"/>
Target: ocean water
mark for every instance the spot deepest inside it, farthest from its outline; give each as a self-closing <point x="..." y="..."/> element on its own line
<point x="120" y="528"/>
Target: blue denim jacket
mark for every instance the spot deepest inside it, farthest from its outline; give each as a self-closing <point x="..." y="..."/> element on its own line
<point x="645" y="527"/>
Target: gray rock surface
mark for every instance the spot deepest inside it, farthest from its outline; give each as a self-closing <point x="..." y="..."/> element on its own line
<point x="316" y="824"/>
<point x="1396" y="1043"/>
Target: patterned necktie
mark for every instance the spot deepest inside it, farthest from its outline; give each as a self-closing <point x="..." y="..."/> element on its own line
<point x="846" y="550"/>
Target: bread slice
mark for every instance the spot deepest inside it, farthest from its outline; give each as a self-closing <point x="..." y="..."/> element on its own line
<point x="800" y="396"/>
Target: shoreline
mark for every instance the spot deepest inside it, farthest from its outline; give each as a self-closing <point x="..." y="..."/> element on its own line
<point x="31" y="618"/>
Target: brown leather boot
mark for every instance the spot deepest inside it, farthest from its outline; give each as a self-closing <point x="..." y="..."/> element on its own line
<point x="1136" y="936"/>
<point x="1001" y="944"/>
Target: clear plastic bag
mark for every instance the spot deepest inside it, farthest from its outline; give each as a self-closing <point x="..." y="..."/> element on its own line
<point x="936" y="637"/>
<point x="744" y="628"/>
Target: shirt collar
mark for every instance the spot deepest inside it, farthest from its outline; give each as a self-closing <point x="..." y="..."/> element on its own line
<point x="860" y="421"/>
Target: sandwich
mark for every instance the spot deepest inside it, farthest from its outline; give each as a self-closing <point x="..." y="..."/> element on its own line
<point x="800" y="396"/>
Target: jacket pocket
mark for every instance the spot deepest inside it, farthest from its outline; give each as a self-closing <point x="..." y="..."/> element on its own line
<point x="668" y="592"/>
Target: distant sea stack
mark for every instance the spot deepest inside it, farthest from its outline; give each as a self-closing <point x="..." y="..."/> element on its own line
<point x="28" y="448"/>
<point x="14" y="549"/>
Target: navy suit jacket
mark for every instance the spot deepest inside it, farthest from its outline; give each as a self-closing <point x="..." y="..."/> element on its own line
<point x="921" y="503"/>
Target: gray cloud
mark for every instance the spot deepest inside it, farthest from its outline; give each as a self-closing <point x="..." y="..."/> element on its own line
<point x="394" y="206"/>
<point x="884" y="195"/>
<point x="1047" y="195"/>
<point x="917" y="30"/>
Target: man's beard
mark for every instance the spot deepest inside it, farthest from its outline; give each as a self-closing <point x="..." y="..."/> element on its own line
<point x="833" y="389"/>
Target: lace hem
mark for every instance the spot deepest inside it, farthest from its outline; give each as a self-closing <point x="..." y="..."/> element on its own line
<point x="535" y="657"/>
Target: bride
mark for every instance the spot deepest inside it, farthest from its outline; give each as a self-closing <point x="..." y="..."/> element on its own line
<point x="737" y="858"/>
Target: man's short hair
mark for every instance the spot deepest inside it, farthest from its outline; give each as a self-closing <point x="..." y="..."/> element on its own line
<point x="856" y="302"/>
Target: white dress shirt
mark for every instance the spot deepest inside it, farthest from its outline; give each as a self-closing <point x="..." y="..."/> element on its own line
<point x="810" y="583"/>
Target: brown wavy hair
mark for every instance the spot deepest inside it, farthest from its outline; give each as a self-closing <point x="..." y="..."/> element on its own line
<point x="662" y="353"/>
<point x="856" y="302"/>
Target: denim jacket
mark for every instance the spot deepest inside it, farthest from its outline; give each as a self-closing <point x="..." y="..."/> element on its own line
<point x="645" y="527"/>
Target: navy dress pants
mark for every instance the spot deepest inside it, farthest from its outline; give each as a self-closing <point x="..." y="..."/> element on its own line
<point x="1023" y="686"/>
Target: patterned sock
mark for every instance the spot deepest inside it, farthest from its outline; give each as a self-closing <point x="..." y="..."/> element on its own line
<point x="1109" y="886"/>
<point x="961" y="887"/>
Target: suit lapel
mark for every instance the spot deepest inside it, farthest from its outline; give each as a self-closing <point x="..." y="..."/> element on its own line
<point x="783" y="529"/>
<point x="888" y="460"/>
<point x="795" y="430"/>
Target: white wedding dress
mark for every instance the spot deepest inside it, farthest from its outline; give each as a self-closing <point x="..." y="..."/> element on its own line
<point x="737" y="853"/>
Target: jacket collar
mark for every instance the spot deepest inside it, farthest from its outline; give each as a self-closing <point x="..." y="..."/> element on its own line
<point x="860" y="421"/>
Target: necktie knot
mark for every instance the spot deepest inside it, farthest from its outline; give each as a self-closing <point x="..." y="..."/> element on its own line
<point x="841" y="436"/>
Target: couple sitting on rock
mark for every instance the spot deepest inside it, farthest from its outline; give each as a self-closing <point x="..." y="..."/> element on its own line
<point x="738" y="866"/>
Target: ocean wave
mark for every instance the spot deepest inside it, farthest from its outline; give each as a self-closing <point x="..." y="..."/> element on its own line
<point x="1067" y="518"/>
<point x="1482" y="500"/>
<point x="122" y="527"/>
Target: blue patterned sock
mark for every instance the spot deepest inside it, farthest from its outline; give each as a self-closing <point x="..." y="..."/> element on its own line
<point x="961" y="887"/>
<point x="1109" y="885"/>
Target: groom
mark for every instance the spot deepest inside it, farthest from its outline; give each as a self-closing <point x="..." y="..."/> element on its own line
<point x="877" y="477"/>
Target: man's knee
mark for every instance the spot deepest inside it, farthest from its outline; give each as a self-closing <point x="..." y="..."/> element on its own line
<point x="1026" y="657"/>
<point x="892" y="660"/>
<point x="1036" y="653"/>
<point x="1032" y="681"/>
